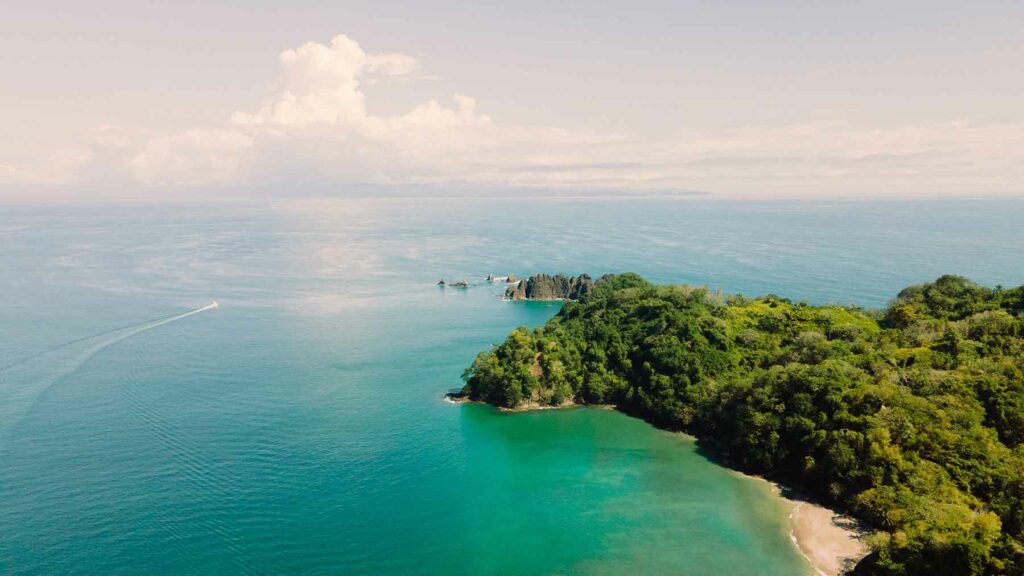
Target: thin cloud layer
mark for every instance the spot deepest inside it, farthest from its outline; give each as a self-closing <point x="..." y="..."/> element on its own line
<point x="316" y="129"/>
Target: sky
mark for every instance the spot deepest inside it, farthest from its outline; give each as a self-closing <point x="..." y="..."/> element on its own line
<point x="116" y="98"/>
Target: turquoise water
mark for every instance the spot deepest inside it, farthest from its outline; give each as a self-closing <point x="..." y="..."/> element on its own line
<point x="298" y="428"/>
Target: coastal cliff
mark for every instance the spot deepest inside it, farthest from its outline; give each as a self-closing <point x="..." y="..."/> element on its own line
<point x="557" y="287"/>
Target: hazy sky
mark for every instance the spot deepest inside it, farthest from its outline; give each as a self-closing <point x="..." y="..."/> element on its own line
<point x="733" y="98"/>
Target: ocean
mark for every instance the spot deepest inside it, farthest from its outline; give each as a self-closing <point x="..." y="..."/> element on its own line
<point x="299" y="426"/>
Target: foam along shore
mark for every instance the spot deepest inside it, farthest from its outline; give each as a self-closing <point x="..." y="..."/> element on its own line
<point x="831" y="542"/>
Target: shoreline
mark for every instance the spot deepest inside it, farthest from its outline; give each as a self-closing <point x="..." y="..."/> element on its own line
<point x="454" y="398"/>
<point x="830" y="542"/>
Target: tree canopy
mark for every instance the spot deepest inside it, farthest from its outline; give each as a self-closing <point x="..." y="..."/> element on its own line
<point x="909" y="418"/>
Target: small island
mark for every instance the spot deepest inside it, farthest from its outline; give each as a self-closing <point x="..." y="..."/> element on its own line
<point x="910" y="419"/>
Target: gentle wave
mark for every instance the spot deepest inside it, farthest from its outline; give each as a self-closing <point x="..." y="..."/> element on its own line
<point x="53" y="365"/>
<point x="200" y="479"/>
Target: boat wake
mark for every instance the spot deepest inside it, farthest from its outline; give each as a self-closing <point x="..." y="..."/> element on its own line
<point x="25" y="381"/>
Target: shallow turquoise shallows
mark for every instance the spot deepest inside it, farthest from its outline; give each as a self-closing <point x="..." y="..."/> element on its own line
<point x="299" y="427"/>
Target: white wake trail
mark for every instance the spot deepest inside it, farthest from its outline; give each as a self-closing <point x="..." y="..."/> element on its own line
<point x="22" y="384"/>
<point x="152" y="325"/>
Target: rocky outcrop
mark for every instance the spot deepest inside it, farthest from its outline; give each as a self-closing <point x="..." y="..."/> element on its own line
<point x="557" y="287"/>
<point x="510" y="279"/>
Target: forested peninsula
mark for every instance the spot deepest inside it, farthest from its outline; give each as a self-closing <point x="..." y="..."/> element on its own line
<point x="909" y="418"/>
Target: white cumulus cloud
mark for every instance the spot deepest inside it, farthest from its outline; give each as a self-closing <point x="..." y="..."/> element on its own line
<point x="315" y="127"/>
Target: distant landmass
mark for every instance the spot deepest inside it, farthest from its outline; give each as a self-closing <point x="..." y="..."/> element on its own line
<point x="909" y="418"/>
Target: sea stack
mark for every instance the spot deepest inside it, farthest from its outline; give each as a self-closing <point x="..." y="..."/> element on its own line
<point x="557" y="287"/>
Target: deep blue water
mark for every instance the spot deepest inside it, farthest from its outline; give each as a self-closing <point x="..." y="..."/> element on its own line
<point x="298" y="427"/>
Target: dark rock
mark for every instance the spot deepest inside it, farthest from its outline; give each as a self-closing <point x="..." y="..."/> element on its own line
<point x="557" y="287"/>
<point x="459" y="395"/>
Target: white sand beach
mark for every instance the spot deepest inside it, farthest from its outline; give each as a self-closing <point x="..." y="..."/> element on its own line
<point x="831" y="542"/>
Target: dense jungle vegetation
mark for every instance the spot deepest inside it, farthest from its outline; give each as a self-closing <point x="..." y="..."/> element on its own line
<point x="909" y="418"/>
